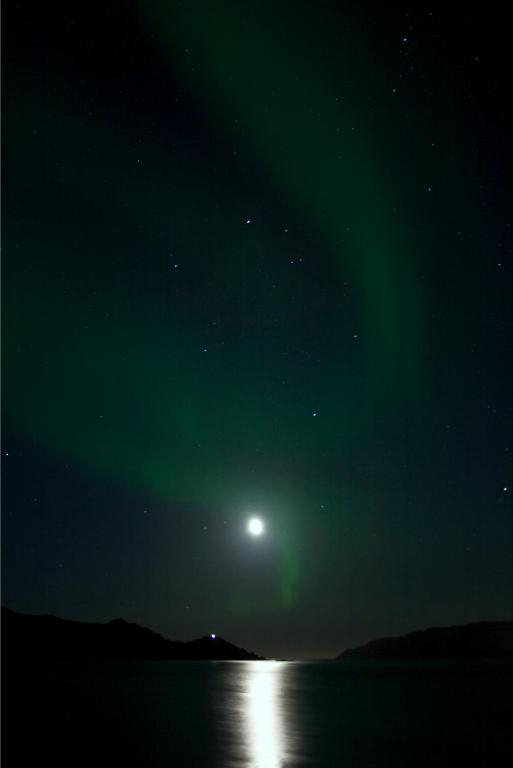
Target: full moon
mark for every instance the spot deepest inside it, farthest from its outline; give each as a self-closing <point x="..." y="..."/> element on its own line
<point x="255" y="526"/>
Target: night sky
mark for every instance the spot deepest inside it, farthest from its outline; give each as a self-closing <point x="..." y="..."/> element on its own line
<point x="257" y="260"/>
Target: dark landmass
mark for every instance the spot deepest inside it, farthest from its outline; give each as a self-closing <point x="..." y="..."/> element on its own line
<point x="41" y="638"/>
<point x="482" y="640"/>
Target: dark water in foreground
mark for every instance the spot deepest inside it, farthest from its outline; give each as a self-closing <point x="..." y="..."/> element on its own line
<point x="259" y="714"/>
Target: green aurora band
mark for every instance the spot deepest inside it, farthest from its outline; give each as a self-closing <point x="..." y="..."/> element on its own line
<point x="100" y="378"/>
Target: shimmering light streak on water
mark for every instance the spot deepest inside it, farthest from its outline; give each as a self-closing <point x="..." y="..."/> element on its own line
<point x="263" y="716"/>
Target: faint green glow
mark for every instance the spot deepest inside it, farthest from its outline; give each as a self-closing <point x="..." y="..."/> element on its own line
<point x="290" y="575"/>
<point x="333" y="168"/>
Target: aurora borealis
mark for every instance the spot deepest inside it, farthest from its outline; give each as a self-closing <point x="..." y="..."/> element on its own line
<point x="257" y="260"/>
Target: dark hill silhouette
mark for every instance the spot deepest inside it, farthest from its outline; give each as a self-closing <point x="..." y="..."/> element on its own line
<point x="482" y="640"/>
<point x="49" y="637"/>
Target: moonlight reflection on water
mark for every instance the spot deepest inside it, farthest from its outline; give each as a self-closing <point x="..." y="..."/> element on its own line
<point x="263" y="715"/>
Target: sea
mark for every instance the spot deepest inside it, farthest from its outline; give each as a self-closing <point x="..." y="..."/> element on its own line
<point x="259" y="714"/>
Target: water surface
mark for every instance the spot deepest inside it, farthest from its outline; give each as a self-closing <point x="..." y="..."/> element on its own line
<point x="259" y="714"/>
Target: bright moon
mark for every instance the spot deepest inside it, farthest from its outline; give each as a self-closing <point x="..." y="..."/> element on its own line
<point x="255" y="526"/>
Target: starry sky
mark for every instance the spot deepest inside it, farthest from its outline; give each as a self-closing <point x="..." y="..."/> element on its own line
<point x="257" y="260"/>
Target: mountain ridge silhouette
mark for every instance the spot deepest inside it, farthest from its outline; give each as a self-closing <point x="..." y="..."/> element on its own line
<point x="478" y="640"/>
<point x="52" y="637"/>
